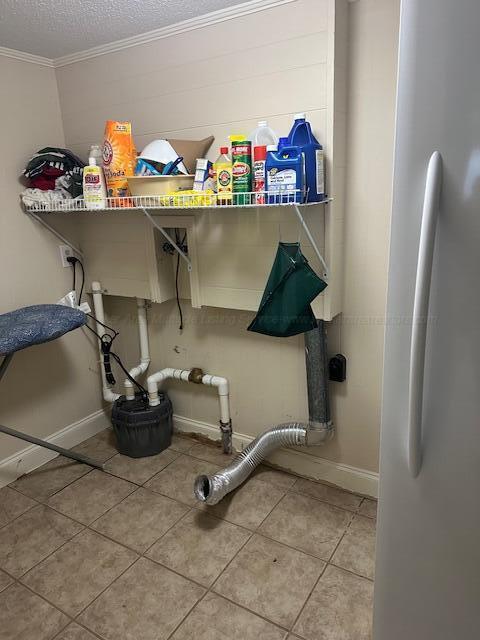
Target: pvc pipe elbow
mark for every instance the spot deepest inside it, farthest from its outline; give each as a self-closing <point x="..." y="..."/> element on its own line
<point x="154" y="381"/>
<point x="138" y="370"/>
<point x="109" y="395"/>
<point x="217" y="381"/>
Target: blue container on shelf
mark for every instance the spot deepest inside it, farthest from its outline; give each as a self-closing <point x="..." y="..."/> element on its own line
<point x="301" y="136"/>
<point x="285" y="175"/>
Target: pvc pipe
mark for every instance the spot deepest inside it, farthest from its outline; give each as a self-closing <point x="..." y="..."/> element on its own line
<point x="137" y="371"/>
<point x="154" y="381"/>
<point x="223" y="394"/>
<point x="108" y="394"/>
<point x="221" y="385"/>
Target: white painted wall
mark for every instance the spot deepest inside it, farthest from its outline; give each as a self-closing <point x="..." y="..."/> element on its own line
<point x="213" y="338"/>
<point x="273" y="77"/>
<point x="48" y="386"/>
<point x="221" y="79"/>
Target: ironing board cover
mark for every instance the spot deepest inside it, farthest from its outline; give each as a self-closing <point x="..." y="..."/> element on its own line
<point x="291" y="287"/>
<point x="39" y="323"/>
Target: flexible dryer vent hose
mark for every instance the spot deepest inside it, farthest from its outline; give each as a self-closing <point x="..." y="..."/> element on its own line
<point x="211" y="489"/>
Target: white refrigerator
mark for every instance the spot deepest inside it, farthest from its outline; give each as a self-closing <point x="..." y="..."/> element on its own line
<point x="427" y="584"/>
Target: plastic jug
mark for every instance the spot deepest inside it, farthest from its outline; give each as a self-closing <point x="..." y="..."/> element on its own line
<point x="285" y="175"/>
<point x="301" y="135"/>
<point x="263" y="135"/>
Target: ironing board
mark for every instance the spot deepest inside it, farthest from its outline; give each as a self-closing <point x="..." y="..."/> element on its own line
<point x="33" y="325"/>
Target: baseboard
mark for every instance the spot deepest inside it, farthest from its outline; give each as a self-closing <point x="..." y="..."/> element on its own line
<point x="34" y="456"/>
<point x="299" y="462"/>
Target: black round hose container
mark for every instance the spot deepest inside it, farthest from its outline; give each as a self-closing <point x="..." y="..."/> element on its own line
<point x="141" y="430"/>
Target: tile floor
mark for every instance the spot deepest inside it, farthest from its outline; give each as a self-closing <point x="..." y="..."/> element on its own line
<point x="130" y="555"/>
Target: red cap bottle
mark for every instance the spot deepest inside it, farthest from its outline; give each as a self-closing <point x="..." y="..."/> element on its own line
<point x="259" y="153"/>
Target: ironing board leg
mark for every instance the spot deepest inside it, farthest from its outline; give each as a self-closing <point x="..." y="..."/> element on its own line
<point x="5" y="362"/>
<point x="53" y="447"/>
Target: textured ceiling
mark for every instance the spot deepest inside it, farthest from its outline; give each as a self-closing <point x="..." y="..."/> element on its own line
<point x="54" y="28"/>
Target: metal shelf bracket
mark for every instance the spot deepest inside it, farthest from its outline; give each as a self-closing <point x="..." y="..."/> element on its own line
<point x="170" y="240"/>
<point x="312" y="241"/>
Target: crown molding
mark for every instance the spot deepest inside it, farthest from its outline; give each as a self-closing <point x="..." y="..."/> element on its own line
<point x="214" y="17"/>
<point x="206" y="20"/>
<point x="26" y="57"/>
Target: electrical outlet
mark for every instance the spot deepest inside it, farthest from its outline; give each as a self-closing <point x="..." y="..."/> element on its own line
<point x="65" y="252"/>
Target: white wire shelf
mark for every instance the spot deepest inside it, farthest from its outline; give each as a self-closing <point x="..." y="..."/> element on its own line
<point x="178" y="202"/>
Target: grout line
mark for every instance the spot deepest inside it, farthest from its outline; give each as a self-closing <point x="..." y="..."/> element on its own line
<point x="308" y="597"/>
<point x="353" y="573"/>
<point x="251" y="611"/>
<point x="289" y="546"/>
<point x="42" y="597"/>
<point x="105" y="589"/>
<point x="212" y="515"/>
<point x="123" y="544"/>
<point x="55" y="492"/>
<point x="138" y="484"/>
<point x="20" y="578"/>
<point x="322" y="573"/>
<point x="82" y="626"/>
<point x="331" y="504"/>
<point x="24" y="512"/>
<point x="144" y="554"/>
<point x="191" y="509"/>
<point x="170" y="635"/>
<point x="212" y="586"/>
<point x="90" y="523"/>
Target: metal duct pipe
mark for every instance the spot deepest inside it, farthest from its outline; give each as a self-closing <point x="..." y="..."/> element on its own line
<point x="211" y="489"/>
<point x="316" y="363"/>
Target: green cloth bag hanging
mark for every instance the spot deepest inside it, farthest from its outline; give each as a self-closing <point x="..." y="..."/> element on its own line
<point x="292" y="285"/>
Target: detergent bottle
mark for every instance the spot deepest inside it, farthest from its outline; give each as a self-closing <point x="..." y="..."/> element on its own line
<point x="285" y="175"/>
<point x="301" y="135"/>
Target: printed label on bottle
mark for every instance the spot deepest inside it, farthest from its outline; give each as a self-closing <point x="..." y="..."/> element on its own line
<point x="259" y="181"/>
<point x="284" y="180"/>
<point x="320" y="161"/>
<point x="224" y="183"/>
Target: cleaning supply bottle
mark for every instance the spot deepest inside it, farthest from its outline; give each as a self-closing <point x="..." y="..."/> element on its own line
<point x="94" y="187"/>
<point x="223" y="176"/>
<point x="283" y="142"/>
<point x="241" y="169"/>
<point x="285" y="175"/>
<point x="259" y="158"/>
<point x="263" y="135"/>
<point x="301" y="135"/>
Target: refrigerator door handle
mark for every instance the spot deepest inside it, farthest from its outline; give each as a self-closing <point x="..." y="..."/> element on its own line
<point x="420" y="311"/>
